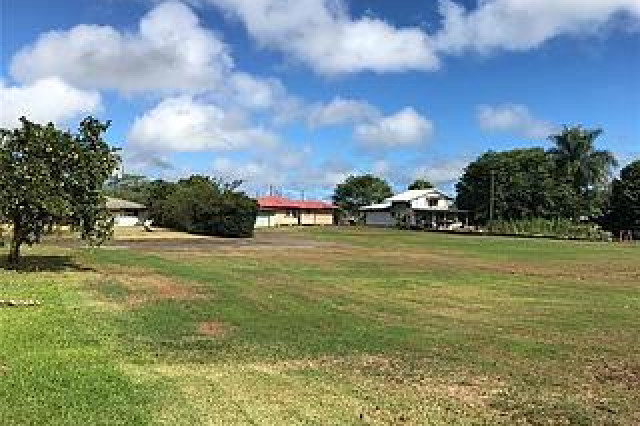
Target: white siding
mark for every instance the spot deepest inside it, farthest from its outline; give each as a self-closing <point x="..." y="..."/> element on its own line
<point x="423" y="202"/>
<point x="126" y="221"/>
<point x="379" y="218"/>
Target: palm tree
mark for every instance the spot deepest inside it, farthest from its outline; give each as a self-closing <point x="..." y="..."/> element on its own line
<point x="420" y="184"/>
<point x="585" y="168"/>
<point x="577" y="159"/>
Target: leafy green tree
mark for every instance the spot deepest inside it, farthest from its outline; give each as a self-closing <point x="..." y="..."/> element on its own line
<point x="625" y="199"/>
<point x="586" y="168"/>
<point x="525" y="186"/>
<point x="130" y="187"/>
<point x="50" y="176"/>
<point x="358" y="191"/>
<point x="420" y="184"/>
<point x="202" y="205"/>
<point x="157" y="192"/>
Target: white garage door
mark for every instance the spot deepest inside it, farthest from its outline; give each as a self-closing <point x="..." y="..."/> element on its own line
<point x="262" y="220"/>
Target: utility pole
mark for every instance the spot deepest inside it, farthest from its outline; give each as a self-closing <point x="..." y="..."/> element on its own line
<point x="492" y="195"/>
<point x="302" y="194"/>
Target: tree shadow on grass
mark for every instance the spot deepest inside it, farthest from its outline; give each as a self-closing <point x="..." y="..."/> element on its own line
<point x="44" y="263"/>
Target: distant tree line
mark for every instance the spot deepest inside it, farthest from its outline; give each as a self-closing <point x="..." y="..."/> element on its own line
<point x="50" y="176"/>
<point x="570" y="182"/>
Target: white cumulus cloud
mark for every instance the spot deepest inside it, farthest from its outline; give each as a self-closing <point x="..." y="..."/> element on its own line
<point x="404" y="128"/>
<point x="185" y="124"/>
<point x="45" y="100"/>
<point x="321" y="34"/>
<point x="524" y="24"/>
<point x="513" y="118"/>
<point x="289" y="171"/>
<point x="170" y="51"/>
<point x="440" y="172"/>
<point x="339" y="111"/>
<point x="324" y="36"/>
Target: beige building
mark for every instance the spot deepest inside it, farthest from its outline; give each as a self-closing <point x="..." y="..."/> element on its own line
<point x="125" y="212"/>
<point x="280" y="211"/>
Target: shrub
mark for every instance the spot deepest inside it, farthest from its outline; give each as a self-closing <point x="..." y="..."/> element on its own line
<point x="200" y="205"/>
<point x="231" y="215"/>
<point x="540" y="227"/>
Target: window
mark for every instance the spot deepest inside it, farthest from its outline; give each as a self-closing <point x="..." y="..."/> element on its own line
<point x="433" y="202"/>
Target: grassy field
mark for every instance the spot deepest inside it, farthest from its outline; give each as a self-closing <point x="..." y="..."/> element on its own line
<point x="355" y="327"/>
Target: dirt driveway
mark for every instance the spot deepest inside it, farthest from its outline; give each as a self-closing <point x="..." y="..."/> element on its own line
<point x="176" y="241"/>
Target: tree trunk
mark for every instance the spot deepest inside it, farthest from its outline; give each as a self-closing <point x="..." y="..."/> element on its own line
<point x="14" y="251"/>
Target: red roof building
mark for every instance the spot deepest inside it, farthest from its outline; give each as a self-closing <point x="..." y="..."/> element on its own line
<point x="278" y="211"/>
<point x="272" y="201"/>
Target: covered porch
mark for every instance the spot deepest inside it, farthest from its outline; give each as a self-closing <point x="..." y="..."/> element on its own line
<point x="426" y="218"/>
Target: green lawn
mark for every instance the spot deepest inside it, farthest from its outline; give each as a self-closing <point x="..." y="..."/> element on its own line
<point x="367" y="327"/>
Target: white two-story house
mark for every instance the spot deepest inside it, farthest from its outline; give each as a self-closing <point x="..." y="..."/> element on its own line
<point x="419" y="208"/>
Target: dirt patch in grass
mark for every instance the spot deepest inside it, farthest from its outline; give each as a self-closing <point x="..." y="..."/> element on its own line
<point x="213" y="328"/>
<point x="391" y="374"/>
<point x="620" y="372"/>
<point x="379" y="390"/>
<point x="144" y="286"/>
<point x="307" y="254"/>
<point x="354" y="364"/>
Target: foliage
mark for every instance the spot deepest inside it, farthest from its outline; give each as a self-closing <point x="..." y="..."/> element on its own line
<point x="359" y="191"/>
<point x="49" y="176"/>
<point x="568" y="181"/>
<point x="197" y="204"/>
<point x="129" y="187"/>
<point x="202" y="205"/>
<point x="525" y="186"/>
<point x="539" y="227"/>
<point x="420" y="184"/>
<point x="156" y="192"/>
<point x="625" y="200"/>
<point x="586" y="168"/>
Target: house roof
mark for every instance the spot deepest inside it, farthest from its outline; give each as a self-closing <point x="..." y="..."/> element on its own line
<point x="380" y="206"/>
<point x="274" y="202"/>
<point x="120" y="204"/>
<point x="413" y="194"/>
<point x="436" y="210"/>
<point x="407" y="196"/>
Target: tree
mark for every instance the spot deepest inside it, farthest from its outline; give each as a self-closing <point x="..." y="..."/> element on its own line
<point x="158" y="191"/>
<point x="625" y="200"/>
<point x="202" y="205"/>
<point x="586" y="168"/>
<point x="525" y="186"/>
<point x="358" y="191"/>
<point x="129" y="187"/>
<point x="50" y="176"/>
<point x="420" y="184"/>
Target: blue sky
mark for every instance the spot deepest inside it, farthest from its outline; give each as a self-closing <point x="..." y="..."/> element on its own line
<point x="300" y="94"/>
